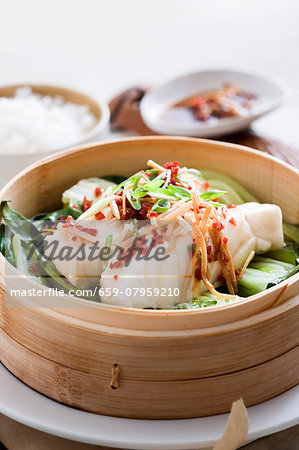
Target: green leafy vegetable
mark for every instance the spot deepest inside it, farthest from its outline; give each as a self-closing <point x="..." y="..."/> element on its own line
<point x="18" y="224"/>
<point x="84" y="188"/>
<point x="2" y="239"/>
<point x="291" y="232"/>
<point x="24" y="249"/>
<point x="264" y="271"/>
<point x="117" y="179"/>
<point x="42" y="219"/>
<point x="288" y="254"/>
<point x="236" y="193"/>
<point x="202" y="301"/>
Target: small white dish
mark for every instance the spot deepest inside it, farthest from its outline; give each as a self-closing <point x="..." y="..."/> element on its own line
<point x="27" y="406"/>
<point x="158" y="100"/>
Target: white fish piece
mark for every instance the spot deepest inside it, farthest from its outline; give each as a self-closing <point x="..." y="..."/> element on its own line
<point x="258" y="228"/>
<point x="265" y="221"/>
<point x="79" y="255"/>
<point x="152" y="283"/>
<point x="78" y="270"/>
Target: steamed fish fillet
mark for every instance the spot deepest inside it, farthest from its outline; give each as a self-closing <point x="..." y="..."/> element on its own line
<point x="153" y="283"/>
<point x="256" y="227"/>
<point x="83" y="270"/>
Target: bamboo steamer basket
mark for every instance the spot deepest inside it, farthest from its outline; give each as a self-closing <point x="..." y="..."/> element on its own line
<point x="143" y="363"/>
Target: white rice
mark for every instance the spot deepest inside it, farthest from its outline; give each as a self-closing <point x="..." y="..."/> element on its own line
<point x="31" y="123"/>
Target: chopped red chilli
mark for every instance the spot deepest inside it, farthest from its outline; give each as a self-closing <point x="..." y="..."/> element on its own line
<point x="152" y="214"/>
<point x="218" y="225"/>
<point x="100" y="216"/>
<point x="98" y="191"/>
<point x="86" y="204"/>
<point x="206" y="185"/>
<point x="34" y="269"/>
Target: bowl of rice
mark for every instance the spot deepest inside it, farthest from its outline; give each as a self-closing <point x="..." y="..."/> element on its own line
<point x="38" y="120"/>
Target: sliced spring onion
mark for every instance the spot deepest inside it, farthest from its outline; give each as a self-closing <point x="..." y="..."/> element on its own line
<point x="153" y="173"/>
<point x="217" y="204"/>
<point x="143" y="190"/>
<point x="108" y="244"/>
<point x="212" y="195"/>
<point x="136" y="181"/>
<point x="161" y="206"/>
<point x="127" y="180"/>
<point x="135" y="203"/>
<point x="135" y="231"/>
<point x="96" y="207"/>
<point x="179" y="192"/>
<point x="196" y="175"/>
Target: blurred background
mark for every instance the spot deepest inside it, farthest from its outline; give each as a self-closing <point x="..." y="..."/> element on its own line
<point x="104" y="46"/>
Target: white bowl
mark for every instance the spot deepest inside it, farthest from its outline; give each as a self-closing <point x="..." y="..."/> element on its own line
<point x="158" y="100"/>
<point x="11" y="164"/>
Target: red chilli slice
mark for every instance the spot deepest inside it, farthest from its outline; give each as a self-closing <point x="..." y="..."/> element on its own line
<point x="100" y="216"/>
<point x="98" y="191"/>
<point x="86" y="204"/>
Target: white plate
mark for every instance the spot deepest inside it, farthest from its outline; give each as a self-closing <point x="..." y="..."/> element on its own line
<point x="27" y="406"/>
<point x="158" y="101"/>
